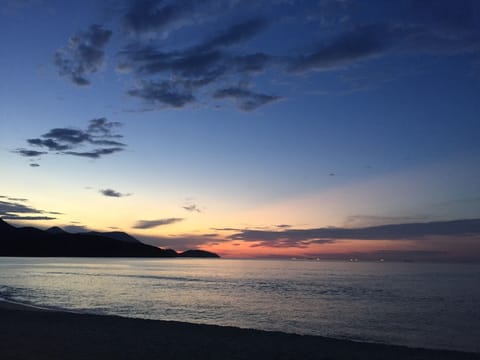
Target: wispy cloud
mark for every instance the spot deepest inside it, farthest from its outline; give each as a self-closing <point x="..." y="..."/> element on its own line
<point x="162" y="16"/>
<point x="358" y="44"/>
<point x="183" y="72"/>
<point x="152" y="15"/>
<point x="16" y="209"/>
<point x="94" y="154"/>
<point x="375" y="220"/>
<point x="148" y="224"/>
<point x="163" y="93"/>
<point x="192" y="208"/>
<point x="245" y="99"/>
<point x="84" y="54"/>
<point x="26" y="217"/>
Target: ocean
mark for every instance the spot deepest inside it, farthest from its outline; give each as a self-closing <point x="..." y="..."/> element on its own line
<point x="414" y="304"/>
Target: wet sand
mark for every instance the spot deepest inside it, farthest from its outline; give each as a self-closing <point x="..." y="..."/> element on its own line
<point x="33" y="333"/>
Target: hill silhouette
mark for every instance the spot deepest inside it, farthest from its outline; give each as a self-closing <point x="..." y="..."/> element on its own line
<point x="116" y="235"/>
<point x="197" y="253"/>
<point x="55" y="242"/>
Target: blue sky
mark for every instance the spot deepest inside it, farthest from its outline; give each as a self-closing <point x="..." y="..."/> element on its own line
<point x="234" y="114"/>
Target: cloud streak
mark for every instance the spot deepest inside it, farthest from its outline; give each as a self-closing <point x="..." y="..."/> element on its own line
<point x="305" y="237"/>
<point x="29" y="153"/>
<point x="245" y="99"/>
<point x="148" y="224"/>
<point x="16" y="209"/>
<point x="163" y="93"/>
<point x="192" y="208"/>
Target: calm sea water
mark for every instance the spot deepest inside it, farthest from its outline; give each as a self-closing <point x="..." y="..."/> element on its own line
<point x="424" y="305"/>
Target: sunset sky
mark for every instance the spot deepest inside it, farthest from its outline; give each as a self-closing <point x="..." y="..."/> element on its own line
<point x="248" y="128"/>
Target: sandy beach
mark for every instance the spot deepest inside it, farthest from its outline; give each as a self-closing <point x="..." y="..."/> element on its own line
<point x="33" y="333"/>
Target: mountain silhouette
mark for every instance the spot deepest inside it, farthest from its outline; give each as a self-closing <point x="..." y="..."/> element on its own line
<point x="116" y="235"/>
<point x="30" y="241"/>
<point x="55" y="230"/>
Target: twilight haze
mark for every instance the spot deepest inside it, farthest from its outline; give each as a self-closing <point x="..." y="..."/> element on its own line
<point x="251" y="129"/>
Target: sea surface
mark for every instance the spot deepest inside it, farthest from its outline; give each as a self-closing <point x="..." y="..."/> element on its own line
<point x="414" y="304"/>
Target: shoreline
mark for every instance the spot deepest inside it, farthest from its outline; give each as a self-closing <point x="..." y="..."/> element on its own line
<point x="30" y="332"/>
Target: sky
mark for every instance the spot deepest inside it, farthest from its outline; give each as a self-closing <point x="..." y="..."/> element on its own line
<point x="249" y="128"/>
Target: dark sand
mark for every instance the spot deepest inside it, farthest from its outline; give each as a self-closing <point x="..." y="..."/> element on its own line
<point x="28" y="333"/>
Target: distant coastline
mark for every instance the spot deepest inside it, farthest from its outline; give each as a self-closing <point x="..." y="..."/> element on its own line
<point x="56" y="242"/>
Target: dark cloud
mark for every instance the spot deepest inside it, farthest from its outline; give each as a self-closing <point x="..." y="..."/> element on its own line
<point x="13" y="207"/>
<point x="94" y="154"/>
<point x="187" y="70"/>
<point x="147" y="224"/>
<point x="84" y="54"/>
<point x="163" y="93"/>
<point x="112" y="193"/>
<point x="48" y="143"/>
<point x="283" y="226"/>
<point x="100" y="134"/>
<point x="14" y="210"/>
<point x="106" y="142"/>
<point x="103" y="127"/>
<point x="304" y="237"/>
<point x="245" y="99"/>
<point x="67" y="135"/>
<point x="29" y="153"/>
